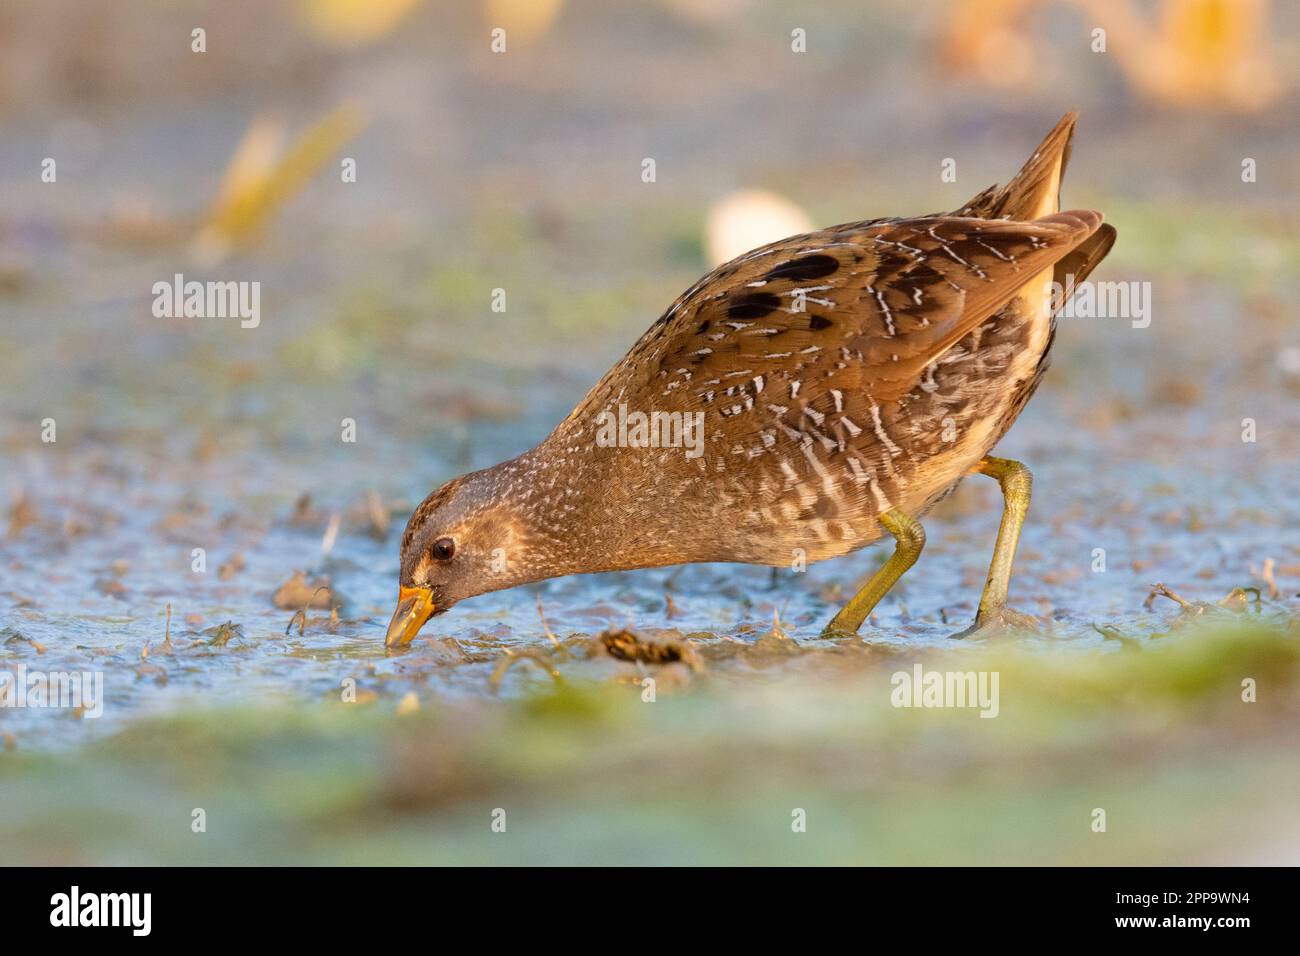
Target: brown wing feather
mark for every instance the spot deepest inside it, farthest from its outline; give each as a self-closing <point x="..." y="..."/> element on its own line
<point x="867" y="304"/>
<point x="1075" y="266"/>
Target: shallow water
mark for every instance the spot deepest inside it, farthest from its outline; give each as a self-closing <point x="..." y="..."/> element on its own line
<point x="1172" y="497"/>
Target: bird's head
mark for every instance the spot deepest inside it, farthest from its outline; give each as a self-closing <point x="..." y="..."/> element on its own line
<point x="464" y="539"/>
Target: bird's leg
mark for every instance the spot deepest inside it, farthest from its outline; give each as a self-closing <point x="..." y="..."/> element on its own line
<point x="1016" y="482"/>
<point x="910" y="538"/>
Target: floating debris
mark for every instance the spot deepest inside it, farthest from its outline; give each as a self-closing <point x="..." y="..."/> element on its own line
<point x="1236" y="601"/>
<point x="670" y="608"/>
<point x="231" y="567"/>
<point x="546" y="627"/>
<point x="222" y="634"/>
<point x="1239" y="599"/>
<point x="21" y="514"/>
<point x="1115" y="634"/>
<point x="379" y="518"/>
<point x="628" y="646"/>
<point x="111" y="587"/>
<point x="532" y="658"/>
<point x="304" y="515"/>
<point x="300" y="618"/>
<point x="151" y="670"/>
<point x="18" y="638"/>
<point x="1161" y="590"/>
<point x="299" y="593"/>
<point x="1267" y="576"/>
<point x="331" y="535"/>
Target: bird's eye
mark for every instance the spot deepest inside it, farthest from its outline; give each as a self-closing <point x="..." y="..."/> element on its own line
<point x="444" y="548"/>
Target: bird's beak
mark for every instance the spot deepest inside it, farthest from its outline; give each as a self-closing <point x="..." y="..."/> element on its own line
<point x="414" y="607"/>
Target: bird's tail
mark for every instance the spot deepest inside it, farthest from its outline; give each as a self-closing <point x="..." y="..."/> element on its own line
<point x="1035" y="191"/>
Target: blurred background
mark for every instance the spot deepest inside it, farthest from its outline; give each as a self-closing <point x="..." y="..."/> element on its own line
<point x="382" y="168"/>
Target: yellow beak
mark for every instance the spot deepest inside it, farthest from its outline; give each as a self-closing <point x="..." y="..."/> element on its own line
<point x="414" y="607"/>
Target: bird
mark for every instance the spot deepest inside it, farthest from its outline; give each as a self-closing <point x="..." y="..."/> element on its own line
<point x="804" y="400"/>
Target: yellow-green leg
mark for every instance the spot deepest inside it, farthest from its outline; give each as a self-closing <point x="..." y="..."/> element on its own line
<point x="910" y="538"/>
<point x="1017" y="484"/>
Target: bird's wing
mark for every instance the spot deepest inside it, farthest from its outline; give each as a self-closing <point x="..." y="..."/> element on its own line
<point x="1075" y="266"/>
<point x="861" y="309"/>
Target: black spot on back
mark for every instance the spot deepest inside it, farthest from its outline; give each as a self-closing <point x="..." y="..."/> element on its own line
<point x="818" y="322"/>
<point x="809" y="267"/>
<point x="755" y="305"/>
<point x="923" y="276"/>
<point x="893" y="262"/>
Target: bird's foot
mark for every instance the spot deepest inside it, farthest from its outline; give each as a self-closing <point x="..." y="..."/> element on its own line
<point x="836" y="632"/>
<point x="1000" y="621"/>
